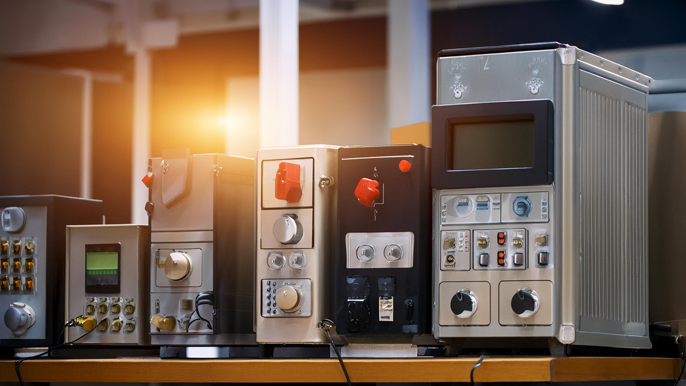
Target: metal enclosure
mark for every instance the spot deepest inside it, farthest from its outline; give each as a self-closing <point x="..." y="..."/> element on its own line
<point x="383" y="254"/>
<point x="201" y="223"/>
<point x="32" y="260"/>
<point x="296" y="214"/>
<point x="554" y="244"/>
<point x="121" y="316"/>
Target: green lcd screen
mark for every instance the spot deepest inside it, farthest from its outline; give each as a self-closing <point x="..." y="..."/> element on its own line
<point x="102" y="268"/>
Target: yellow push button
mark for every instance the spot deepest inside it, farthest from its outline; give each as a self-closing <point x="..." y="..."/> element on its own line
<point x="16" y="247"/>
<point x="28" y="284"/>
<point x="28" y="265"/>
<point x="163" y="322"/>
<point x="16" y="284"/>
<point x="16" y="266"/>
<point x="4" y="284"/>
<point x="4" y="265"/>
<point x="29" y="247"/>
<point x="4" y="247"/>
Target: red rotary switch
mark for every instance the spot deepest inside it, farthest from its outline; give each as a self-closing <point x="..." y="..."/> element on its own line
<point x="147" y="180"/>
<point x="288" y="182"/>
<point x="366" y="191"/>
<point x="405" y="166"/>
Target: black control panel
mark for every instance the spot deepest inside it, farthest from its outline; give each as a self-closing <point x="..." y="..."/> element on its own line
<point x="383" y="255"/>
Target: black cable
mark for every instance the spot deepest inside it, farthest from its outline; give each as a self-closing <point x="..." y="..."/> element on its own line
<point x="477" y="364"/>
<point x="201" y="299"/>
<point x="683" y="364"/>
<point x="70" y="323"/>
<point x="326" y="325"/>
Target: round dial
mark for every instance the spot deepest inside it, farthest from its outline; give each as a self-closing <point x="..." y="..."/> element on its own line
<point x="177" y="266"/>
<point x="525" y="303"/>
<point x="365" y="252"/>
<point x="275" y="260"/>
<point x="393" y="252"/>
<point x="19" y="318"/>
<point x="287" y="229"/>
<point x="522" y="206"/>
<point x="464" y="303"/>
<point x="297" y="260"/>
<point x="288" y="298"/>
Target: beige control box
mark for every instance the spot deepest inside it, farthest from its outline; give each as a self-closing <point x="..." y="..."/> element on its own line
<point x="295" y="222"/>
<point x="107" y="281"/>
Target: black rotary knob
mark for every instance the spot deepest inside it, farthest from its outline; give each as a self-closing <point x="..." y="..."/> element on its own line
<point x="525" y="303"/>
<point x="463" y="304"/>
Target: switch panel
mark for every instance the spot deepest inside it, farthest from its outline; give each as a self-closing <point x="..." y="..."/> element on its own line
<point x="511" y="254"/>
<point x="470" y="209"/>
<point x="380" y="250"/>
<point x="455" y="251"/>
<point x="286" y="298"/>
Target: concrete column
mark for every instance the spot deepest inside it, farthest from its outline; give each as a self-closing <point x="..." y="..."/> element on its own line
<point x="87" y="137"/>
<point x="409" y="62"/>
<point x="141" y="133"/>
<point x="278" y="73"/>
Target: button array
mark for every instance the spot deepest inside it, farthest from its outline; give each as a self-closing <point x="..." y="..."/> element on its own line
<point x="114" y="307"/>
<point x="269" y="300"/>
<point x="17" y="265"/>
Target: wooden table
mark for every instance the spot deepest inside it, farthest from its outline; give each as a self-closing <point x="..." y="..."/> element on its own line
<point x="521" y="369"/>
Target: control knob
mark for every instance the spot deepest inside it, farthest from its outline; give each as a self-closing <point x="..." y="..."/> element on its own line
<point x="525" y="303"/>
<point x="287" y="229"/>
<point x="367" y="191"/>
<point x="19" y="318"/>
<point x="522" y="206"/>
<point x="177" y="266"/>
<point x="393" y="252"/>
<point x="464" y="303"/>
<point x="288" y="182"/>
<point x="288" y="298"/>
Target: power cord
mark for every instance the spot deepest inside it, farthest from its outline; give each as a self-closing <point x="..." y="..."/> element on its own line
<point x="326" y="325"/>
<point x="202" y="298"/>
<point x="477" y="364"/>
<point x="70" y="323"/>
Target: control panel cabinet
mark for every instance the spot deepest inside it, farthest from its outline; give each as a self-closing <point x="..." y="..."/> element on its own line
<point x="107" y="270"/>
<point x="296" y="216"/>
<point x="201" y="215"/>
<point x="383" y="256"/>
<point x="540" y="210"/>
<point x="32" y="260"/>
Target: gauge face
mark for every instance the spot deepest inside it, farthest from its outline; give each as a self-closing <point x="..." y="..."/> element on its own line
<point x="463" y="206"/>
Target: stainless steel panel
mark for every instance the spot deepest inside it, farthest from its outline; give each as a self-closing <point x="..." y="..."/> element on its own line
<point x="613" y="242"/>
<point x="307" y="178"/>
<point x="379" y="241"/>
<point x="269" y="217"/>
<point x="496" y="77"/>
<point x="133" y="240"/>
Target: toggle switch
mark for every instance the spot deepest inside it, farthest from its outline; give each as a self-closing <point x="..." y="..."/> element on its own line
<point x="4" y="265"/>
<point x="28" y="284"/>
<point x="130" y="326"/>
<point x="287" y="183"/>
<point x="104" y="325"/>
<point x="16" y="266"/>
<point x="4" y="284"/>
<point x="366" y="191"/>
<point x="16" y="247"/>
<point x="129" y="307"/>
<point x="16" y="284"/>
<point x="116" y="308"/>
<point x="29" y="247"/>
<point x="4" y="247"/>
<point x="116" y="325"/>
<point x="147" y="180"/>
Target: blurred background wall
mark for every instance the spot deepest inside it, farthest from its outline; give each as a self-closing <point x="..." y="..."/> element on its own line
<point x="68" y="74"/>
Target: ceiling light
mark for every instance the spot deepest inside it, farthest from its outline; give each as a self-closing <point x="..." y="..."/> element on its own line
<point x="610" y="2"/>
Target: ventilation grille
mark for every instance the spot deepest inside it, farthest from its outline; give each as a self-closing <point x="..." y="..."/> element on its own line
<point x="613" y="219"/>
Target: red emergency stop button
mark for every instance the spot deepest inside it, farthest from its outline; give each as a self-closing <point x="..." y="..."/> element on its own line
<point x="366" y="191"/>
<point x="405" y="166"/>
<point x="147" y="180"/>
<point x="287" y="185"/>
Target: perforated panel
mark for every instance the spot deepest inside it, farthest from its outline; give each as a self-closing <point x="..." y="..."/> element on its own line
<point x="613" y="208"/>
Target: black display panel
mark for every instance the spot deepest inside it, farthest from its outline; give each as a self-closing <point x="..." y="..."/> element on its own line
<point x="492" y="144"/>
<point x="509" y="141"/>
<point x="103" y="271"/>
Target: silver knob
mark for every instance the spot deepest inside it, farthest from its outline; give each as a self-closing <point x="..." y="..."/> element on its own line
<point x="275" y="260"/>
<point x="12" y="219"/>
<point x="365" y="252"/>
<point x="525" y="302"/>
<point x="297" y="260"/>
<point x="287" y="229"/>
<point x="177" y="266"/>
<point x="393" y="252"/>
<point x="19" y="318"/>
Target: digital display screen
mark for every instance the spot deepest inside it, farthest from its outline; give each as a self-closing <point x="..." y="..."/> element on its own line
<point x="484" y="143"/>
<point x="102" y="268"/>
